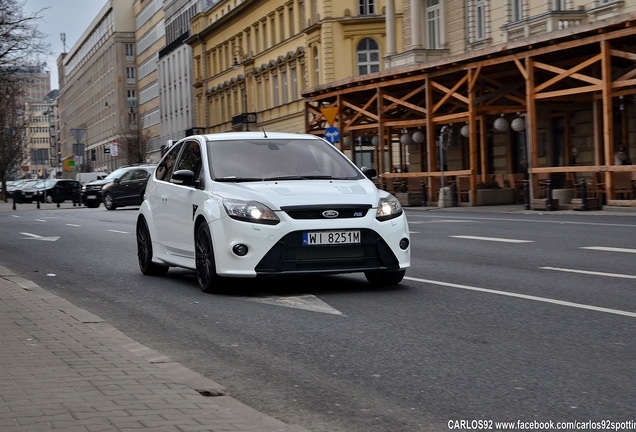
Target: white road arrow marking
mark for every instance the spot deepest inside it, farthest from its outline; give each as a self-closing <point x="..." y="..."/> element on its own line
<point x="37" y="237"/>
<point x="305" y="302"/>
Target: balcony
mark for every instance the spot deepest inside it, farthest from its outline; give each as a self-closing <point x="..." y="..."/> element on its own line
<point x="543" y="24"/>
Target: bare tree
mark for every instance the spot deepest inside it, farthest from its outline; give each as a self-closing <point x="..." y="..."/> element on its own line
<point x="12" y="131"/>
<point x="21" y="43"/>
<point x="20" y="40"/>
<point x="135" y="146"/>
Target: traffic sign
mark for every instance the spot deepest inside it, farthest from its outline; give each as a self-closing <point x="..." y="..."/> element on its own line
<point x="332" y="135"/>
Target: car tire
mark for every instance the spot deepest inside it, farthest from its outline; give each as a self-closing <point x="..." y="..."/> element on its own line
<point x="384" y="278"/>
<point x="144" y="251"/>
<point x="49" y="199"/>
<point x="108" y="201"/>
<point x="208" y="279"/>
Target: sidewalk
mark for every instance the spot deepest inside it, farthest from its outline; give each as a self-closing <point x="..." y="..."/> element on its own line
<point x="63" y="368"/>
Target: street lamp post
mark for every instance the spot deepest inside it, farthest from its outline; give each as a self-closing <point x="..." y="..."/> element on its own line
<point x="245" y="118"/>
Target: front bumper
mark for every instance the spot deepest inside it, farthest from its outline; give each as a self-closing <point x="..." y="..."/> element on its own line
<point x="278" y="249"/>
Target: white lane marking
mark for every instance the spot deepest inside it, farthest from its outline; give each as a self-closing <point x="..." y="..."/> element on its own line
<point x="493" y="239"/>
<point x="119" y="232"/>
<point x="37" y="237"/>
<point x="40" y="220"/>
<point x="526" y="297"/>
<point x="73" y="225"/>
<point x="305" y="302"/>
<point x="616" y="275"/>
<point x="442" y="221"/>
<point x="413" y="214"/>
<point x="609" y="249"/>
<point x="16" y="216"/>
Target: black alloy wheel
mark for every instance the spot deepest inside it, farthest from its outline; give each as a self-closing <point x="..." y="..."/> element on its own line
<point x="144" y="251"/>
<point x="204" y="257"/>
<point x="109" y="203"/>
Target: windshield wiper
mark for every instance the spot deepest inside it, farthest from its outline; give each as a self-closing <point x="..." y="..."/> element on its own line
<point x="237" y="179"/>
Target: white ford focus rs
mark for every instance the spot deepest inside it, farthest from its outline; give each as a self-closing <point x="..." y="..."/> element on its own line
<point x="252" y="204"/>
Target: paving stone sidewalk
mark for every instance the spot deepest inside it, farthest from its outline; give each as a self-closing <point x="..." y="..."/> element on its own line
<point x="65" y="369"/>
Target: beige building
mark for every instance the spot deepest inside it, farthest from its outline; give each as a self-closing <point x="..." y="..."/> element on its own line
<point x="253" y="59"/>
<point x="41" y="143"/>
<point x="97" y="130"/>
<point x="150" y="31"/>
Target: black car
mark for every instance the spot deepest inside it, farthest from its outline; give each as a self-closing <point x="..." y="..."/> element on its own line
<point x="54" y="190"/>
<point x="128" y="189"/>
<point x="92" y="194"/>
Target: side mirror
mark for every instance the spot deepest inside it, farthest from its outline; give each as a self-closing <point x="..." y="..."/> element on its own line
<point x="184" y="178"/>
<point x="370" y="173"/>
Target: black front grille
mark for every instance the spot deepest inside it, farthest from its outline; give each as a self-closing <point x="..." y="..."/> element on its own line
<point x="318" y="212"/>
<point x="290" y="256"/>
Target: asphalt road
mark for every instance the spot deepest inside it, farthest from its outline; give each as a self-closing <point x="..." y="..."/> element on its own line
<point x="503" y="317"/>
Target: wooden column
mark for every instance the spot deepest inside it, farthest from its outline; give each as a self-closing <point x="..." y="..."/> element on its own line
<point x="531" y="123"/>
<point x="473" y="75"/>
<point x="608" y="123"/>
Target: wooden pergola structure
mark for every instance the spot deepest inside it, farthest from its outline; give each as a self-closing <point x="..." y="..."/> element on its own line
<point x="584" y="76"/>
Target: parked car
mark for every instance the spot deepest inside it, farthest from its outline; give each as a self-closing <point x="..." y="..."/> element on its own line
<point x="250" y="204"/>
<point x="53" y="190"/>
<point x="15" y="191"/>
<point x="92" y="191"/>
<point x="128" y="189"/>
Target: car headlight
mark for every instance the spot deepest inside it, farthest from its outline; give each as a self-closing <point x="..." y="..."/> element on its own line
<point x="388" y="208"/>
<point x="250" y="211"/>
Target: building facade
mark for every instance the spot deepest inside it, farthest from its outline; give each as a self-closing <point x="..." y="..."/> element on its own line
<point x="150" y="32"/>
<point x="530" y="89"/>
<point x="175" y="73"/>
<point x="97" y="130"/>
<point x="253" y="59"/>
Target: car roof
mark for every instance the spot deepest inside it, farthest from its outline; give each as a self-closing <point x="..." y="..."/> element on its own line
<point x="224" y="136"/>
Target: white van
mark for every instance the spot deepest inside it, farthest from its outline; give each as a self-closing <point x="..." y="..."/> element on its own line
<point x="84" y="178"/>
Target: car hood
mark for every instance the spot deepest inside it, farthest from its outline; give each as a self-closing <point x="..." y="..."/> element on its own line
<point x="303" y="192"/>
<point x="98" y="182"/>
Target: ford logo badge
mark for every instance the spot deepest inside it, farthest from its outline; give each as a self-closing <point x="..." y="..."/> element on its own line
<point x="330" y="214"/>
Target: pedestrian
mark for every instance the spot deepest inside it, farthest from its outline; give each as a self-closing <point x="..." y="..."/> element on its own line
<point x="621" y="157"/>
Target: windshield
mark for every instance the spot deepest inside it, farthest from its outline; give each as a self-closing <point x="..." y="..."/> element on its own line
<point x="278" y="159"/>
<point x="116" y="174"/>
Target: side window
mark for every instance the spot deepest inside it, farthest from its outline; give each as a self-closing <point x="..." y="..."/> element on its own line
<point x="191" y="158"/>
<point x="127" y="177"/>
<point x="165" y="168"/>
<point x="139" y="174"/>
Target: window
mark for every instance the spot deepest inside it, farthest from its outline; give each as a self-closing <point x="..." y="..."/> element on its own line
<point x="275" y="90"/>
<point x="130" y="72"/>
<point x="559" y="5"/>
<point x="433" y="24"/>
<point x="191" y="158"/>
<point x="516" y="10"/>
<point x="316" y="67"/>
<point x="130" y="50"/>
<point x="368" y="55"/>
<point x="294" y="83"/>
<point x="164" y="170"/>
<point x="285" y="86"/>
<point x="479" y="20"/>
<point x="366" y="7"/>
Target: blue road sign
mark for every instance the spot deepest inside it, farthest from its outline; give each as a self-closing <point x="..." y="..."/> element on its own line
<point x="332" y="134"/>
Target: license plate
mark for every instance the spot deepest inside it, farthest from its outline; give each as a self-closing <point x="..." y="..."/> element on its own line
<point x="91" y="197"/>
<point x="313" y="238"/>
